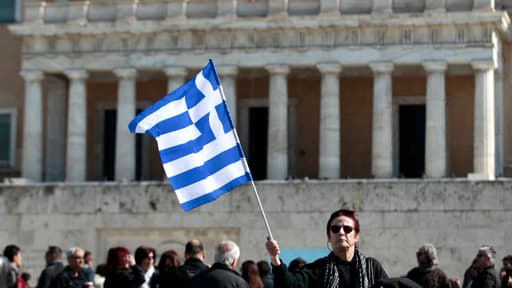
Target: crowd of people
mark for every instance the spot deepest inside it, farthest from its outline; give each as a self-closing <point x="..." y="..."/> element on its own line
<point x="345" y="266"/>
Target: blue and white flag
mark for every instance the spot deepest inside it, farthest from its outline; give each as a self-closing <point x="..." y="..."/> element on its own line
<point x="198" y="145"/>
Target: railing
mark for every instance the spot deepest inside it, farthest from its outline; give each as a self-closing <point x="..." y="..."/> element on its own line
<point x="155" y="10"/>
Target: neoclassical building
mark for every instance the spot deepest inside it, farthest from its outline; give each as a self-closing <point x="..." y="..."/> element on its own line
<point x="317" y="88"/>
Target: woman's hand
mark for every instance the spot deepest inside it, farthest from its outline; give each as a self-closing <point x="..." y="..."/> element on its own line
<point x="273" y="251"/>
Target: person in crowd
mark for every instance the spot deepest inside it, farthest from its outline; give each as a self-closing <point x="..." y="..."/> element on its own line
<point x="25" y="280"/>
<point x="99" y="275"/>
<point x="344" y="267"/>
<point x="427" y="273"/>
<point x="145" y="258"/>
<point x="164" y="276"/>
<point x="121" y="270"/>
<point x="487" y="276"/>
<point x="222" y="273"/>
<point x="266" y="276"/>
<point x="53" y="267"/>
<point x="506" y="277"/>
<point x="88" y="266"/>
<point x="13" y="254"/>
<point x="296" y="264"/>
<point x="251" y="274"/>
<point x="4" y="271"/>
<point x="193" y="265"/>
<point x="73" y="275"/>
<point x="469" y="274"/>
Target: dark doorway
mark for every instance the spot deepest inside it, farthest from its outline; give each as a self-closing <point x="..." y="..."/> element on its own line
<point x="412" y="141"/>
<point x="109" y="147"/>
<point x="258" y="135"/>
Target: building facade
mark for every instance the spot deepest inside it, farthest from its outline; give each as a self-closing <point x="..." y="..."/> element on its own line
<point x="318" y="89"/>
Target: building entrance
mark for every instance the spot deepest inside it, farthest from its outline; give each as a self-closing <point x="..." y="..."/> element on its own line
<point x="258" y="135"/>
<point x="412" y="141"/>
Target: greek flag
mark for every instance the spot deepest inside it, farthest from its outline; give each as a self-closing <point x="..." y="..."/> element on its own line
<point x="198" y="145"/>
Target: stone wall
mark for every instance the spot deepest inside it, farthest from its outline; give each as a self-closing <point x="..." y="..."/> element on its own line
<point x="396" y="217"/>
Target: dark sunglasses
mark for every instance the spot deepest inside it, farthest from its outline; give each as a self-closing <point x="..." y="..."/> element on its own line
<point x="337" y="228"/>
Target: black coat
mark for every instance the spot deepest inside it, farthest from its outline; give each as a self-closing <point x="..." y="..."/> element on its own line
<point x="66" y="279"/>
<point x="488" y="278"/>
<point x="191" y="268"/>
<point x="125" y="278"/>
<point x="312" y="274"/>
<point x="219" y="276"/>
<point x="49" y="273"/>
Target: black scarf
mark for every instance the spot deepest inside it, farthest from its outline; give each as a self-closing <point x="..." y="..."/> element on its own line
<point x="332" y="276"/>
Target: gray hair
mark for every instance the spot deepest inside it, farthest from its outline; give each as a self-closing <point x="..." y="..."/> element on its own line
<point x="226" y="252"/>
<point x="489" y="251"/>
<point x="431" y="252"/>
<point x="72" y="251"/>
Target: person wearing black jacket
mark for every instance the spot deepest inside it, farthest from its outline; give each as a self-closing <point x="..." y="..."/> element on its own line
<point x="222" y="274"/>
<point x="193" y="265"/>
<point x="121" y="270"/>
<point x="487" y="276"/>
<point x="344" y="267"/>
<point x="53" y="267"/>
<point x="73" y="275"/>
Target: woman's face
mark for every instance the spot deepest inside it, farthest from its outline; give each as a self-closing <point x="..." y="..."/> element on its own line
<point x="343" y="239"/>
<point x="148" y="262"/>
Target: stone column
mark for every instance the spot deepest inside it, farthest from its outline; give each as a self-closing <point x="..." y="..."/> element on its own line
<point x="55" y="129"/>
<point x="278" y="8"/>
<point x="125" y="141"/>
<point x="226" y="8"/>
<point x="330" y="7"/>
<point x="277" y="155"/>
<point x="498" y="87"/>
<point x="484" y="133"/>
<point x="382" y="6"/>
<point x="175" y="77"/>
<point x="435" y="6"/>
<point x="228" y="77"/>
<point x="483" y="5"/>
<point x="435" y="138"/>
<point x="32" y="158"/>
<point x="329" y="154"/>
<point x="382" y="129"/>
<point x="76" y="149"/>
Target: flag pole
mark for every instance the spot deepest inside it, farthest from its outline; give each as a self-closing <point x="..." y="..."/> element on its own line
<point x="244" y="160"/>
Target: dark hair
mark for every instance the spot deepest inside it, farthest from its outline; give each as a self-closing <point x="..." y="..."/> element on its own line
<point x="251" y="276"/>
<point x="54" y="250"/>
<point x="10" y="251"/>
<point x="101" y="269"/>
<point x="115" y="258"/>
<point x="142" y="253"/>
<point x="507" y="258"/>
<point x="193" y="248"/>
<point x="25" y="276"/>
<point x="263" y="267"/>
<point x="168" y="260"/>
<point x="296" y="264"/>
<point x="347" y="213"/>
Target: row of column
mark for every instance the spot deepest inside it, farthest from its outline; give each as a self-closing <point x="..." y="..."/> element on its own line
<point x="277" y="161"/>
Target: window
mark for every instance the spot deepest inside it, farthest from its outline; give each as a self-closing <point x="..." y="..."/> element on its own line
<point x="8" y="136"/>
<point x="8" y="11"/>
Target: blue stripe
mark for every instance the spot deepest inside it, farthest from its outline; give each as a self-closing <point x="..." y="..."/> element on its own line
<point x="194" y="146"/>
<point x="172" y="96"/>
<point x="210" y="167"/>
<point x="210" y="73"/>
<point x="170" y="124"/>
<point x="222" y="112"/>
<point x="212" y="196"/>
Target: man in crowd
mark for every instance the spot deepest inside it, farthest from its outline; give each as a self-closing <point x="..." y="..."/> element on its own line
<point x="194" y="257"/>
<point x="506" y="279"/>
<point x="4" y="271"/>
<point x="53" y="267"/>
<point x="427" y="273"/>
<point x="13" y="254"/>
<point x="222" y="273"/>
<point x="484" y="264"/>
<point x="73" y="275"/>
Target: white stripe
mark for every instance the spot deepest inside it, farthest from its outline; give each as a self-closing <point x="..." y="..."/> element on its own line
<point x="169" y="110"/>
<point x="212" y="98"/>
<point x="191" y="161"/>
<point x="177" y="137"/>
<point x="211" y="183"/>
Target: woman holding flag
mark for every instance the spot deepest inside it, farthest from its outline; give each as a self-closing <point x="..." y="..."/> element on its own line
<point x="344" y="267"/>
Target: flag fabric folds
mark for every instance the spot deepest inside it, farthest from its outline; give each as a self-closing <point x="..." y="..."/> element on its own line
<point x="198" y="145"/>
